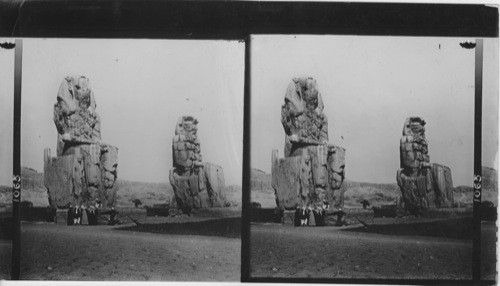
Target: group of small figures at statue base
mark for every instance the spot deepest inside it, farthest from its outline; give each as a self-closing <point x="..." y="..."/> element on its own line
<point x="302" y="216"/>
<point x="307" y="216"/>
<point x="83" y="215"/>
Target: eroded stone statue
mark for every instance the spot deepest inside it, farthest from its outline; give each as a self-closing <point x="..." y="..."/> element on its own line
<point x="196" y="184"/>
<point x="312" y="172"/>
<point x="423" y="185"/>
<point x="85" y="169"/>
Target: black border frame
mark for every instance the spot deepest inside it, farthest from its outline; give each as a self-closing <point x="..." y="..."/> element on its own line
<point x="16" y="181"/>
<point x="221" y="20"/>
<point x="236" y="20"/>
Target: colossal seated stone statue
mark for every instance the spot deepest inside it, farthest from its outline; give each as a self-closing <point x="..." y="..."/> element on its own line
<point x="85" y="169"/>
<point x="196" y="185"/>
<point x="423" y="185"/>
<point x="312" y="171"/>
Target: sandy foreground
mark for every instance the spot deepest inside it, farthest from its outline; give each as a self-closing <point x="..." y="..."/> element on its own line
<point x="59" y="252"/>
<point x="284" y="251"/>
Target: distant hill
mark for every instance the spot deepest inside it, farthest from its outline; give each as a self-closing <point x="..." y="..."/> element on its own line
<point x="489" y="188"/>
<point x="233" y="195"/>
<point x="31" y="177"/>
<point x="33" y="190"/>
<point x="148" y="193"/>
<point x="462" y="195"/>
<point x="490" y="179"/>
<point x="376" y="194"/>
<point x="261" y="191"/>
<point x="260" y="180"/>
<point x="261" y="188"/>
<point x="489" y="185"/>
<point x="5" y="196"/>
<point x="160" y="193"/>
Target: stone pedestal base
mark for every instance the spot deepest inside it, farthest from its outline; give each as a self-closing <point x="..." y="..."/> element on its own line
<point x="313" y="174"/>
<point x="206" y="189"/>
<point x="82" y="177"/>
<point x="431" y="189"/>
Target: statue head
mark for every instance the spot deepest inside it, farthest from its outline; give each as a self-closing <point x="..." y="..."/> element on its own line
<point x="414" y="126"/>
<point x="310" y="94"/>
<point x="82" y="92"/>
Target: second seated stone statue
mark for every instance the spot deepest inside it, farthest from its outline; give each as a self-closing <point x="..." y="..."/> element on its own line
<point x="311" y="174"/>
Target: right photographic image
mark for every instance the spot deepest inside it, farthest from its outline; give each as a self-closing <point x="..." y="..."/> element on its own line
<point x="362" y="157"/>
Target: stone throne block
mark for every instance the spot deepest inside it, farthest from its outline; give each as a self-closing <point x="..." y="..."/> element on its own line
<point x="83" y="177"/>
<point x="85" y="169"/>
<point x="311" y="173"/>
<point x="310" y="178"/>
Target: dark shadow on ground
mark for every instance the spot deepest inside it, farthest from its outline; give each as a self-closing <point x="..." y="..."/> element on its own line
<point x="454" y="228"/>
<point x="488" y="250"/>
<point x="225" y="227"/>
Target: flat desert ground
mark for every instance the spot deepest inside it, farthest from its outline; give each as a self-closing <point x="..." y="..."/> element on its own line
<point x="169" y="252"/>
<point x="389" y="249"/>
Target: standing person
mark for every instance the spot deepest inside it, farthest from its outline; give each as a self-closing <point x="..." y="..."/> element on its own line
<point x="112" y="215"/>
<point x="94" y="215"/>
<point x="70" y="218"/>
<point x="85" y="217"/>
<point x="319" y="216"/>
<point x="97" y="213"/>
<point x="91" y="215"/>
<point x="76" y="216"/>
<point x="297" y="218"/>
<point x="341" y="219"/>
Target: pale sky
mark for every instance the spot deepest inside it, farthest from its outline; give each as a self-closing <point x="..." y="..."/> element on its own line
<point x="369" y="86"/>
<point x="141" y="87"/>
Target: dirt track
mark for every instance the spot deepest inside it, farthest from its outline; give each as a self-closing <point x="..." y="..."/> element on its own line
<point x="5" y="258"/>
<point x="106" y="253"/>
<point x="59" y="252"/>
<point x="287" y="252"/>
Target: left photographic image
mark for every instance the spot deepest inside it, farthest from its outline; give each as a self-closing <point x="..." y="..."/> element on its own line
<point x="7" y="54"/>
<point x="131" y="158"/>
